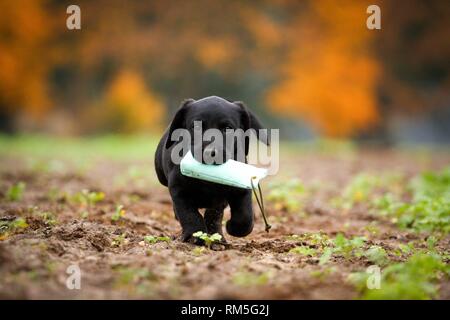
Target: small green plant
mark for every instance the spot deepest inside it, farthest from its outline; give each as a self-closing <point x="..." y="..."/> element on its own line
<point x="377" y="255"/>
<point x="428" y="210"/>
<point x="48" y="217"/>
<point x="15" y="192"/>
<point x="119" y="240"/>
<point x="118" y="214"/>
<point x="414" y="279"/>
<point x="357" y="191"/>
<point x="319" y="239"/>
<point x="10" y="226"/>
<point x="154" y="239"/>
<point x="84" y="214"/>
<point x="343" y="247"/>
<point x="347" y="247"/>
<point x="87" y="198"/>
<point x="304" y="251"/>
<point x="209" y="239"/>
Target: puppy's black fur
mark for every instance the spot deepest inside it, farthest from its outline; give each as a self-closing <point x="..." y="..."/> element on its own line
<point x="189" y="194"/>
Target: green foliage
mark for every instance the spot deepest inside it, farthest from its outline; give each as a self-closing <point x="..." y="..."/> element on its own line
<point x="377" y="255"/>
<point x="341" y="246"/>
<point x="11" y="226"/>
<point x="304" y="251"/>
<point x="209" y="239"/>
<point x="348" y="247"/>
<point x="432" y="184"/>
<point x="87" y="198"/>
<point x="414" y="279"/>
<point x="48" y="217"/>
<point x="358" y="190"/>
<point x="119" y="240"/>
<point x="155" y="239"/>
<point x="15" y="192"/>
<point x="119" y="213"/>
<point x="319" y="239"/>
<point x="429" y="209"/>
<point x="285" y="195"/>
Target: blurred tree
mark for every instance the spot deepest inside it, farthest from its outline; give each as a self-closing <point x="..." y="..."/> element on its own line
<point x="308" y="60"/>
<point x="330" y="73"/>
<point x="25" y="32"/>
<point x="128" y="106"/>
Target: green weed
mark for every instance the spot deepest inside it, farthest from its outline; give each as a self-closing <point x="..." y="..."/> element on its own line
<point x="208" y="239"/>
<point x="155" y="239"/>
<point x="414" y="279"/>
<point x="118" y="214"/>
<point x="15" y="192"/>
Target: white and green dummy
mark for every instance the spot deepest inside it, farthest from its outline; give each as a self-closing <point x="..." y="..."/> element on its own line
<point x="232" y="173"/>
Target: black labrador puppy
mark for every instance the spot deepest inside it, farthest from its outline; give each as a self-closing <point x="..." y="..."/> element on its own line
<point x="189" y="194"/>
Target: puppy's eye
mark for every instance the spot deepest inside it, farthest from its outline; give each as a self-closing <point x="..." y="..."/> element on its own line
<point x="225" y="128"/>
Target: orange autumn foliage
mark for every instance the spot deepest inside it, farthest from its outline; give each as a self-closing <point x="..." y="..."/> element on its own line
<point x="330" y="75"/>
<point x="24" y="30"/>
<point x="129" y="105"/>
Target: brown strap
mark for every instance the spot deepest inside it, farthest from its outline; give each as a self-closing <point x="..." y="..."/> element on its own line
<point x="260" y="204"/>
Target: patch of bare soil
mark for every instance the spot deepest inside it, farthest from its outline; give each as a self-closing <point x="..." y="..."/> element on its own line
<point x="116" y="263"/>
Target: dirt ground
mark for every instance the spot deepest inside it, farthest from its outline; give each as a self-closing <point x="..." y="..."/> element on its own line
<point x="116" y="263"/>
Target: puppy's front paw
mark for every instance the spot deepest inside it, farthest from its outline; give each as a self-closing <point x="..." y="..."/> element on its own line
<point x="241" y="229"/>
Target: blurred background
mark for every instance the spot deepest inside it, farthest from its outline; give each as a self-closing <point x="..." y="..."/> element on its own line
<point x="310" y="68"/>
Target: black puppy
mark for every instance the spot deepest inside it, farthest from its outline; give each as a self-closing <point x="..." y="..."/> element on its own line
<point x="189" y="194"/>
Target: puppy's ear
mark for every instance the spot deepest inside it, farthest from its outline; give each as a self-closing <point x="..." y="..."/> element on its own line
<point x="178" y="121"/>
<point x="250" y="121"/>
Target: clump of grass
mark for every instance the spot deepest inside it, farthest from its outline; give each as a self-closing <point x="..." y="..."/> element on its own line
<point x="208" y="239"/>
<point x="16" y="191"/>
<point x="414" y="279"/>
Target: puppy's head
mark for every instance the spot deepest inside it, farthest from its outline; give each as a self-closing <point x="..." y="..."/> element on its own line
<point x="219" y="129"/>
